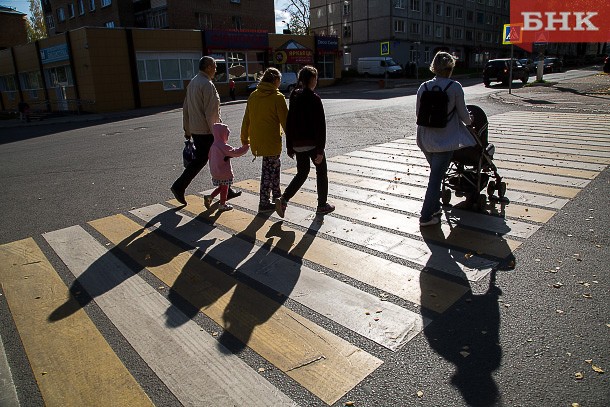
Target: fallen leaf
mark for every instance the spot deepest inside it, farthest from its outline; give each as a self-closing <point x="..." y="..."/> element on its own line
<point x="589" y="361"/>
<point x="349" y="403"/>
<point x="464" y="353"/>
<point x="468" y="255"/>
<point x="420" y="394"/>
<point x="575" y="405"/>
<point x="557" y="285"/>
<point x="261" y="369"/>
<point x="587" y="295"/>
<point x="559" y="311"/>
<point x="578" y="376"/>
<point x="597" y="369"/>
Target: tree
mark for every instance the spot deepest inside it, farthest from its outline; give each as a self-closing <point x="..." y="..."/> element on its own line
<point x="35" y="25"/>
<point x="299" y="16"/>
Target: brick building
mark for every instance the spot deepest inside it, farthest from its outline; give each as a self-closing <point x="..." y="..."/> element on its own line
<point x="64" y="15"/>
<point x="13" y="25"/>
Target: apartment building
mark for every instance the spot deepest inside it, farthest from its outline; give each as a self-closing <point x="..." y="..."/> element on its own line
<point x="13" y="25"/>
<point x="414" y="30"/>
<point x="65" y="15"/>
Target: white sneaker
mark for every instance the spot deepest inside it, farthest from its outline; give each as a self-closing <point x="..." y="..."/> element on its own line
<point x="224" y="208"/>
<point x="435" y="220"/>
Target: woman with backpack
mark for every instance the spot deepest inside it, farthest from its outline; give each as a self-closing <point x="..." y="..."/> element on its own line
<point x="439" y="138"/>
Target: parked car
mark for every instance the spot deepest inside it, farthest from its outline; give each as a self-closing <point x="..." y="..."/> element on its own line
<point x="378" y="66"/>
<point x="552" y="65"/>
<point x="498" y="70"/>
<point x="529" y="64"/>
<point x="288" y="83"/>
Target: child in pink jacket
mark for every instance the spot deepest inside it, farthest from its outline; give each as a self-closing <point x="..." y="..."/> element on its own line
<point x="220" y="165"/>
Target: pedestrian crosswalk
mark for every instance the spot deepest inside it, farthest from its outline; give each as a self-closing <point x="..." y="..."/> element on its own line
<point x="321" y="300"/>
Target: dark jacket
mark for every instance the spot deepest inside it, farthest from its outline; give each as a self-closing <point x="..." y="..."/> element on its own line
<point x="306" y="123"/>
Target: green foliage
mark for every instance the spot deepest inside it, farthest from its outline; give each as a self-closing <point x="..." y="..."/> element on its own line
<point x="36" y="27"/>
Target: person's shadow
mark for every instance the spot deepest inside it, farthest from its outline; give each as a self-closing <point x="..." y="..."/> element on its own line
<point x="467" y="334"/>
<point x="249" y="271"/>
<point x="137" y="251"/>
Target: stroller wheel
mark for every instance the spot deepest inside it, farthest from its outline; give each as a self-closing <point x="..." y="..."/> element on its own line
<point x="446" y="196"/>
<point x="491" y="187"/>
<point x="502" y="189"/>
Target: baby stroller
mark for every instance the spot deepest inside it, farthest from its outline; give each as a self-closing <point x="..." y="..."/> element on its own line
<point x="472" y="168"/>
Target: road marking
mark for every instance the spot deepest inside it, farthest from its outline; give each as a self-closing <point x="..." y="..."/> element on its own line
<point x="394" y="278"/>
<point x="193" y="365"/>
<point x="70" y="359"/>
<point x="336" y="300"/>
<point x="320" y="361"/>
<point x="422" y="253"/>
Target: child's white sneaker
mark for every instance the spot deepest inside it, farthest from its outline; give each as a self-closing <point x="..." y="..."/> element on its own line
<point x="224" y="207"/>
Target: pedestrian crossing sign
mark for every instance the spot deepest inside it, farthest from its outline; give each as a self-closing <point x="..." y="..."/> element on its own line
<point x="385" y="48"/>
<point x="512" y="34"/>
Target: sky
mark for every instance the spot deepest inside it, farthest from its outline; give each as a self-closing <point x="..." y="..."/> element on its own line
<point x="24" y="7"/>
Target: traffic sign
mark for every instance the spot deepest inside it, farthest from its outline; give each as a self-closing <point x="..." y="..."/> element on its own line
<point x="512" y="34"/>
<point x="385" y="48"/>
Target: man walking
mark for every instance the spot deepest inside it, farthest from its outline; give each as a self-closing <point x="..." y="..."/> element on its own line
<point x="201" y="109"/>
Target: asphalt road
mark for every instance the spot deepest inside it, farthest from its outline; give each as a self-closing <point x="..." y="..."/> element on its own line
<point x="537" y="336"/>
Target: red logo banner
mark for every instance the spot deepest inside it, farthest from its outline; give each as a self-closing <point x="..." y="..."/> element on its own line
<point x="561" y="20"/>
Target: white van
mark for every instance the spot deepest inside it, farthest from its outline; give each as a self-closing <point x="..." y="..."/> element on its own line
<point x="288" y="83"/>
<point x="377" y="66"/>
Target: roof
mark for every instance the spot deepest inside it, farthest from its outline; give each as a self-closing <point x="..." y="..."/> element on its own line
<point x="9" y="10"/>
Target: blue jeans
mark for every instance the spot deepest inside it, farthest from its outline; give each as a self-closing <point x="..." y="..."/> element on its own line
<point x="439" y="162"/>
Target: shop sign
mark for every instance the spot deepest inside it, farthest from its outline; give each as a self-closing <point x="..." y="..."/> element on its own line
<point x="54" y="54"/>
<point x="216" y="39"/>
<point x="299" y="56"/>
<point x="327" y="45"/>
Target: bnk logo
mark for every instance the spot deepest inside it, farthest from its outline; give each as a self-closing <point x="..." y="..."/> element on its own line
<point x="561" y="20"/>
<point x="567" y="21"/>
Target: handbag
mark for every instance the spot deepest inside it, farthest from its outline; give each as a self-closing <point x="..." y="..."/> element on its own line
<point x="188" y="153"/>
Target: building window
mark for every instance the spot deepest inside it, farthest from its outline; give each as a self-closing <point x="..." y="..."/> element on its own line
<point x="438" y="31"/>
<point x="399" y="26"/>
<point x="347" y="8"/>
<point x="427" y="55"/>
<point x="459" y="13"/>
<point x="347" y="31"/>
<point x="414" y="28"/>
<point x="469" y="36"/>
<point x="399" y="4"/>
<point x="237" y="22"/>
<point x="106" y="3"/>
<point x="109" y="24"/>
<point x="236" y="1"/>
<point x="157" y="19"/>
<point x="81" y="7"/>
<point x="61" y="16"/>
<point x="92" y="5"/>
<point x="428" y="8"/>
<point x="58" y="76"/>
<point x="50" y="22"/>
<point x="470" y="15"/>
<point x="448" y="11"/>
<point x="480" y="18"/>
<point x="204" y="20"/>
<point x="447" y="32"/>
<point x="458" y="34"/>
<point x="487" y="37"/>
<point x="326" y="66"/>
<point x="71" y="10"/>
<point x="415" y="5"/>
<point x="413" y="54"/>
<point x="30" y="80"/>
<point x="439" y="10"/>
<point x="428" y="30"/>
<point x="7" y="83"/>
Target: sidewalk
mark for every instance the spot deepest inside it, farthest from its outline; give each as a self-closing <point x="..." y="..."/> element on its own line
<point x="590" y="94"/>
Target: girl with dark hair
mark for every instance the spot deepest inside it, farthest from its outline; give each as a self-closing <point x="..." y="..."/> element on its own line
<point x="306" y="139"/>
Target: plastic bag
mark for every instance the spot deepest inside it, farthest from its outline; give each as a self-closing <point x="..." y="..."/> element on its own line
<point x="188" y="153"/>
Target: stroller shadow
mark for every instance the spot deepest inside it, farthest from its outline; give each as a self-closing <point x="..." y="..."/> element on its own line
<point x="467" y="334"/>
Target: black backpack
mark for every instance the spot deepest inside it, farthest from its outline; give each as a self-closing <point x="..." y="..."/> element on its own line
<point x="433" y="106"/>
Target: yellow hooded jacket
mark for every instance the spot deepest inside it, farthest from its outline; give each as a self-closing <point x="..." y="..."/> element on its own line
<point x="265" y="112"/>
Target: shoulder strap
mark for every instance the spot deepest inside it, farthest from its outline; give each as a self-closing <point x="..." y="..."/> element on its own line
<point x="425" y="86"/>
<point x="447" y="87"/>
